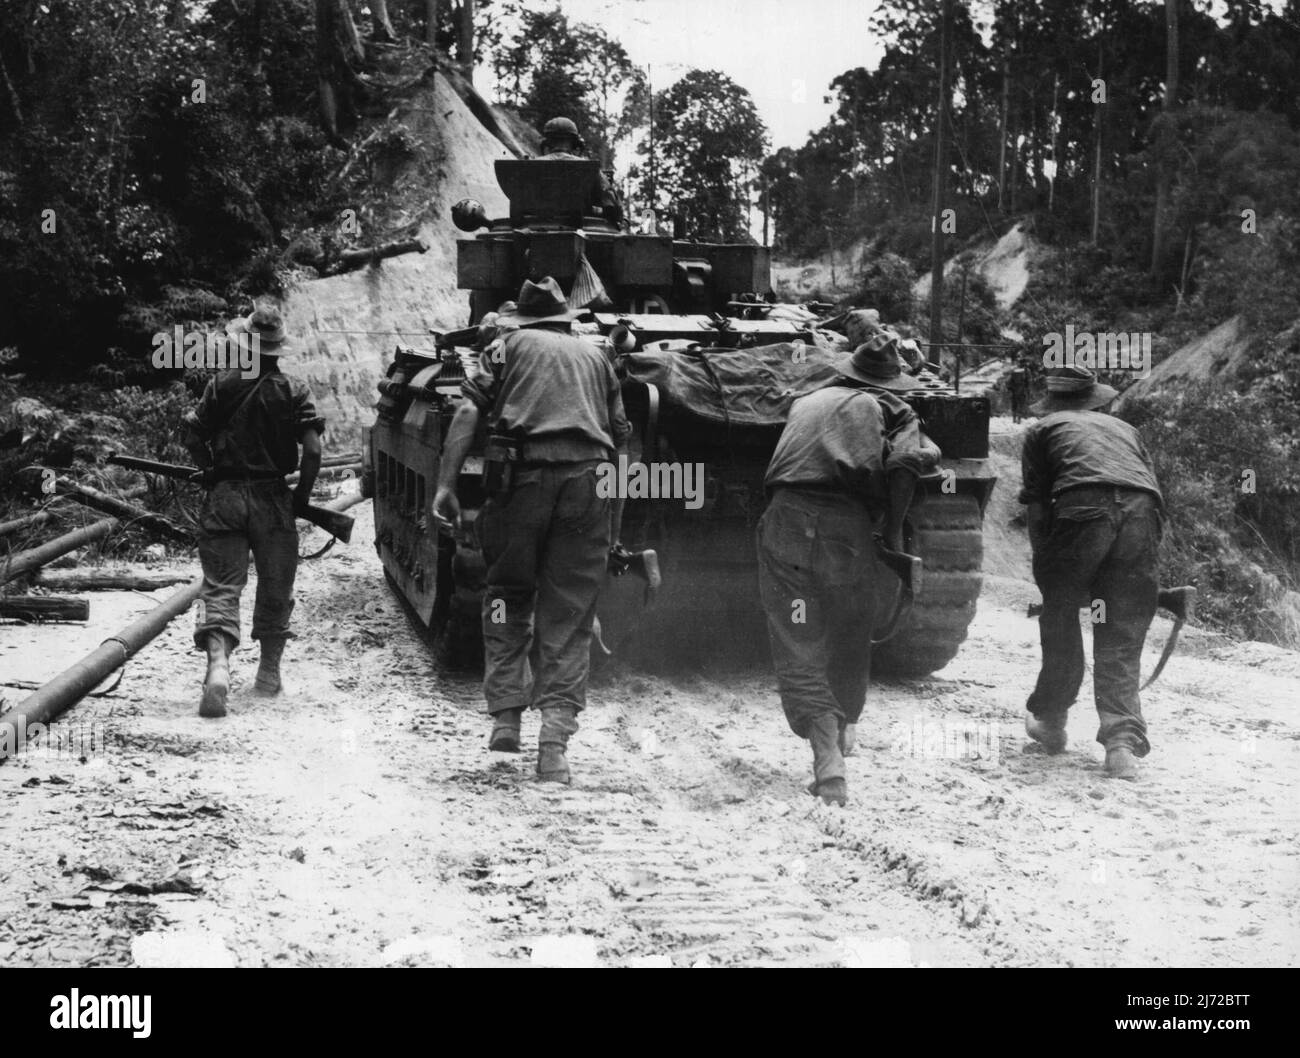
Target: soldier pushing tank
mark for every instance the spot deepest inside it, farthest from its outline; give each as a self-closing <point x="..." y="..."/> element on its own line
<point x="1095" y="515"/>
<point x="839" y="485"/>
<point x="554" y="413"/>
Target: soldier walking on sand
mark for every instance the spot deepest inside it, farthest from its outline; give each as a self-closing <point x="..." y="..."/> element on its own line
<point x="244" y="436"/>
<point x="843" y="473"/>
<point x="554" y="413"/>
<point x="1095" y="517"/>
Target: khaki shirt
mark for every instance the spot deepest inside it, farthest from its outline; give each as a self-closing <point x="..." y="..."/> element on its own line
<point x="555" y="392"/>
<point x="261" y="440"/>
<point x="846" y="437"/>
<point x="1069" y="448"/>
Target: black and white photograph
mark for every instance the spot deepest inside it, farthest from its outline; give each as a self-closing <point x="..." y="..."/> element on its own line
<point x="651" y="484"/>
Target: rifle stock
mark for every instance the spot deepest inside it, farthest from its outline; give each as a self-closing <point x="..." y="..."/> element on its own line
<point x="333" y="522"/>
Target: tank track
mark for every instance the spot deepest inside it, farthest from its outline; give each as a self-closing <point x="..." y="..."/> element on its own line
<point x="947" y="533"/>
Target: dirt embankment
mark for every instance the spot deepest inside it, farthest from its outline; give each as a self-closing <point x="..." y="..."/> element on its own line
<point x="351" y="323"/>
<point x="360" y="820"/>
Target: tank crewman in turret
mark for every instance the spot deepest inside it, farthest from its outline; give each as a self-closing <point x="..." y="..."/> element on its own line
<point x="554" y="413"/>
<point x="560" y="140"/>
<point x="843" y="472"/>
<point x="1095" y="517"/>
<point x="244" y="436"/>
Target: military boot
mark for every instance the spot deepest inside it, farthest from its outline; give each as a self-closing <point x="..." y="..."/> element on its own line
<point x="1047" y="731"/>
<point x="267" y="682"/>
<point x="505" y="731"/>
<point x="1120" y="763"/>
<point x="216" y="685"/>
<point x="1181" y="602"/>
<point x="558" y="723"/>
<point x="828" y="761"/>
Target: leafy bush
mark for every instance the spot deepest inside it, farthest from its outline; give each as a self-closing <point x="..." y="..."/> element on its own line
<point x="1210" y="447"/>
<point x="156" y="417"/>
<point x="886" y="286"/>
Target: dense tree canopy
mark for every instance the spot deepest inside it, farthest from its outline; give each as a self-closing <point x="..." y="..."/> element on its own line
<point x="552" y="67"/>
<point x="161" y="152"/>
<point x="1050" y="102"/>
<point x="707" y="146"/>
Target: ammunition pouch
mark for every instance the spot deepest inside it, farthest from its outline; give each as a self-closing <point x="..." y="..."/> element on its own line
<point x="500" y="461"/>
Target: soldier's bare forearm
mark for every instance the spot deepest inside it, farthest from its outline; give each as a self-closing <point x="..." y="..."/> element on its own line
<point x="308" y="467"/>
<point x="460" y="435"/>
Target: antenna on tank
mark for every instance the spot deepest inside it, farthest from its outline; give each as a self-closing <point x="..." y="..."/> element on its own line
<point x="654" y="187"/>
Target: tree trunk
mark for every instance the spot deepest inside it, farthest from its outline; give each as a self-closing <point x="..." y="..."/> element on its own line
<point x="337" y="45"/>
<point x="1165" y="136"/>
<point x="431" y="22"/>
<point x="356" y="51"/>
<point x="350" y="259"/>
<point x="44" y="608"/>
<point x="1013" y="144"/>
<point x="14" y="106"/>
<point x="767" y="212"/>
<point x="1036" y="150"/>
<point x="1096" y="162"/>
<point x="381" y="28"/>
<point x="1002" y="138"/>
<point x="128" y="512"/>
<point x="465" y="41"/>
<point x="1056" y="166"/>
<point x="1184" y="275"/>
<point x="940" y="175"/>
<point x="29" y="522"/>
<point x="25" y="561"/>
<point x="89" y="580"/>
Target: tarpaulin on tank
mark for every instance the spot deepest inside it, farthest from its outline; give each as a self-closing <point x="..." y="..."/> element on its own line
<point x="743" y="387"/>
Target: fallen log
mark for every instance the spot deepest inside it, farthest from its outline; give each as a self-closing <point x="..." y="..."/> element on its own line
<point x="91" y="580"/>
<point x="73" y="684"/>
<point x="26" y="561"/>
<point x="128" y="512"/>
<point x="342" y="503"/>
<point x="327" y="472"/>
<point x="44" y="608"/>
<point x="30" y="522"/>
<point x="349" y="260"/>
<point x="341" y="461"/>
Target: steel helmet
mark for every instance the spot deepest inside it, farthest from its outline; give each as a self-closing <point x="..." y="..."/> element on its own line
<point x="558" y="127"/>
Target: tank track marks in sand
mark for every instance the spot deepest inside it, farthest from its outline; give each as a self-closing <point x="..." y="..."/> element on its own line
<point x="684" y="835"/>
<point x="947" y="533"/>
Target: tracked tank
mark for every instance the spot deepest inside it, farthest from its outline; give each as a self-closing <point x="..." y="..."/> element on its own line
<point x="709" y="366"/>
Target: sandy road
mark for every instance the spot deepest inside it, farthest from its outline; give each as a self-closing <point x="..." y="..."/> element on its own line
<point x="361" y="821"/>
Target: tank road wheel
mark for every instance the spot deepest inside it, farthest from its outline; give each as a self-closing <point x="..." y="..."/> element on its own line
<point x="947" y="533"/>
